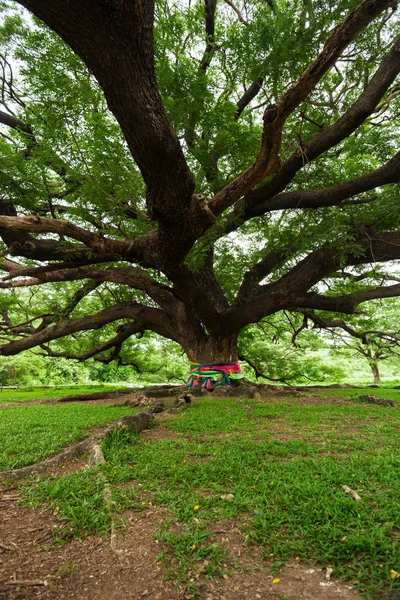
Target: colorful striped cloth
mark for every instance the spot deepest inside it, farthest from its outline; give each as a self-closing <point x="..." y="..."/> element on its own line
<point x="212" y="375"/>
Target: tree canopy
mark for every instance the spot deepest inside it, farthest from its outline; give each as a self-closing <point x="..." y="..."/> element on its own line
<point x="189" y="168"/>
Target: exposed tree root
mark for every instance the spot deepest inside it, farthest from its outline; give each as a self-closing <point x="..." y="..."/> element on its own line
<point x="136" y="422"/>
<point x="97" y="458"/>
<point x="74" y="451"/>
<point x="163" y="391"/>
<point x="374" y="400"/>
<point x="243" y="388"/>
<point x="94" y="396"/>
<point x="153" y="391"/>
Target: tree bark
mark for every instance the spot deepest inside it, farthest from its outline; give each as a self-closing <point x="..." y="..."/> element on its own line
<point x="375" y="371"/>
<point x="183" y="300"/>
<point x="213" y="350"/>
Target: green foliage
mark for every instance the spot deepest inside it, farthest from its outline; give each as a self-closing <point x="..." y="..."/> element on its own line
<point x="71" y="159"/>
<point x="22" y="370"/>
<point x="75" y="134"/>
<point x="270" y="347"/>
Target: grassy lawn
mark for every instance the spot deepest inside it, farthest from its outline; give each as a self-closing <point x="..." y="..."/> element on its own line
<point x="31" y="394"/>
<point x="30" y="433"/>
<point x="351" y="393"/>
<point x="283" y="462"/>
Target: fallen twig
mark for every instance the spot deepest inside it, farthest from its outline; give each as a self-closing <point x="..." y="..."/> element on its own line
<point x="4" y="547"/>
<point x="26" y="582"/>
<point x="10" y="498"/>
<point x="350" y="491"/>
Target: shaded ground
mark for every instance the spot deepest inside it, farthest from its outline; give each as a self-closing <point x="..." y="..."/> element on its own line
<point x="91" y="570"/>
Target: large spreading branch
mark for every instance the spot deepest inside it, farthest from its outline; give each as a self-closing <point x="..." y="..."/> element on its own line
<point x="120" y="53"/>
<point x="133" y="96"/>
<point x="269" y="195"/>
<point x="292" y="289"/>
<point x="16" y="231"/>
<point x="362" y="335"/>
<point x="130" y="276"/>
<point x="124" y="332"/>
<point x="260" y="270"/>
<point x="275" y="115"/>
<point x="149" y="318"/>
<point x="336" y="194"/>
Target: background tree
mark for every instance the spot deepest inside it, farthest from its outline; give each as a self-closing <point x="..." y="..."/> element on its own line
<point x="374" y="334"/>
<point x="281" y="350"/>
<point x="240" y="157"/>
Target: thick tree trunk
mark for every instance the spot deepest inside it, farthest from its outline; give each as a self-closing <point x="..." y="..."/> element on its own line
<point x="211" y="350"/>
<point x="216" y="362"/>
<point x="375" y="371"/>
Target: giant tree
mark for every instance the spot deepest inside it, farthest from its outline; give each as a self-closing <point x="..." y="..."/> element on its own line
<point x="204" y="164"/>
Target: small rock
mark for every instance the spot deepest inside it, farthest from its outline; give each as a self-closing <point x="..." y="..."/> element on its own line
<point x="228" y="497"/>
<point x="374" y="400"/>
<point x="136" y="422"/>
<point x="179" y="402"/>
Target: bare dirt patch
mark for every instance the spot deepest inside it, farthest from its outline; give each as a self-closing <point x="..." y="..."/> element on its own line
<point x="250" y="575"/>
<point x="86" y="570"/>
<point x="90" y="570"/>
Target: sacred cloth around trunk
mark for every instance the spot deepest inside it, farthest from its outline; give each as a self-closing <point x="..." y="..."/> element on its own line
<point x="212" y="375"/>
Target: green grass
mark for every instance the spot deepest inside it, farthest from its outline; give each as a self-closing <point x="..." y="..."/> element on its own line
<point x="187" y="555"/>
<point x="285" y="463"/>
<point x="382" y="392"/>
<point x="30" y="433"/>
<point x="30" y="394"/>
<point x="79" y="502"/>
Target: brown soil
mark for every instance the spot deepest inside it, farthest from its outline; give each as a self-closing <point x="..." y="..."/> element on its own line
<point x="90" y="570"/>
<point x="33" y="566"/>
